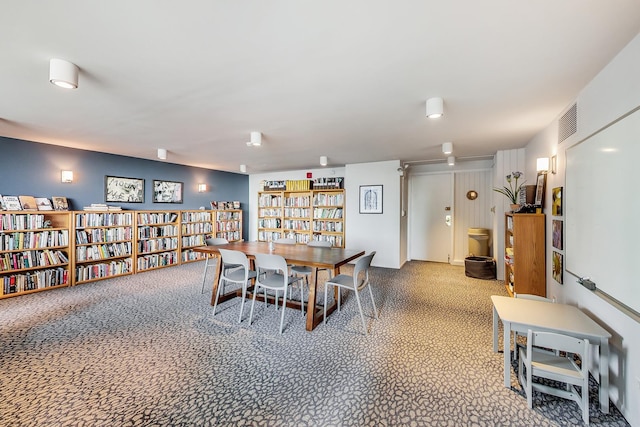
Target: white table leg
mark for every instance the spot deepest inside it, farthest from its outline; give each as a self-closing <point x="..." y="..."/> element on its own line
<point x="604" y="376"/>
<point x="507" y="353"/>
<point x="495" y="330"/>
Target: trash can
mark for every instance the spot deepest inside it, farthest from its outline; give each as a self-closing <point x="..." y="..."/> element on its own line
<point x="480" y="267"/>
<point x="479" y="241"/>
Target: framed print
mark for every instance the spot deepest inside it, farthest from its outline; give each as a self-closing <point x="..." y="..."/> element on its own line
<point x="167" y="191"/>
<point x="120" y="189"/>
<point x="371" y="199"/>
<point x="556" y="206"/>
<point x="540" y="183"/>
<point x="556" y="233"/>
<point x="60" y="203"/>
<point x="557" y="266"/>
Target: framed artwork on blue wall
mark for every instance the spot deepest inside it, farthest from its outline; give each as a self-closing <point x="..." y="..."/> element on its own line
<point x="167" y="191"/>
<point x="120" y="189"/>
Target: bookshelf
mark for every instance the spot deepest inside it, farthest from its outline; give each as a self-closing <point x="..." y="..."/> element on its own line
<point x="302" y="215"/>
<point x="228" y="224"/>
<point x="34" y="251"/>
<point x="103" y="243"/>
<point x="525" y="259"/>
<point x="158" y="238"/>
<point x="195" y="227"/>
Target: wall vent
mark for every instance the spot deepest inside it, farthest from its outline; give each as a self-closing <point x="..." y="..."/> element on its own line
<point x="568" y="124"/>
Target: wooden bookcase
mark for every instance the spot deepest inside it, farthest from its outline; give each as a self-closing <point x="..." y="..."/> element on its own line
<point x="34" y="251"/>
<point x="228" y="224"/>
<point x="103" y="243"/>
<point x="302" y="215"/>
<point x="158" y="239"/>
<point x="525" y="259"/>
<point x="196" y="226"/>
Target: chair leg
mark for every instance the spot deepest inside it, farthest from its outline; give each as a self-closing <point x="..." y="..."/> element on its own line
<point x="324" y="319"/>
<point x="204" y="275"/>
<point x="215" y="303"/>
<point x="284" y="304"/>
<point x="375" y="310"/>
<point x="364" y="325"/>
<point x="244" y="295"/>
<point x="253" y="302"/>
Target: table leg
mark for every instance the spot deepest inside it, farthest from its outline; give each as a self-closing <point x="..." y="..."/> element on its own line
<point x="495" y="330"/>
<point x="604" y="375"/>
<point x="216" y="278"/>
<point x="507" y="353"/>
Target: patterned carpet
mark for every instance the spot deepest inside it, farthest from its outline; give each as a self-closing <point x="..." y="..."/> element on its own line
<point x="145" y="350"/>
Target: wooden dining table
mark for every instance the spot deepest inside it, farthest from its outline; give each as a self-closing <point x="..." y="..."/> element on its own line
<point x="315" y="257"/>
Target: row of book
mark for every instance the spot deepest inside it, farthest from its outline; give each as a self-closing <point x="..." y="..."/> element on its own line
<point x="153" y="245"/>
<point x="33" y="280"/>
<point x="300" y="201"/>
<point x="157" y="218"/>
<point x="157" y="260"/>
<point x="203" y="216"/>
<point x="328" y="200"/>
<point x="269" y="223"/>
<point x="191" y="256"/>
<point x="332" y="183"/>
<point x="296" y="212"/>
<point x="160" y="231"/>
<point x="269" y="212"/>
<point x="229" y="235"/>
<point x="104" y="219"/>
<point x="228" y="216"/>
<point x="197" y="227"/>
<point x="290" y="224"/>
<point x="222" y="205"/>
<point x="331" y="226"/>
<point x="195" y="240"/>
<point x="100" y="207"/>
<point x="319" y="213"/>
<point x="33" y="240"/>
<point x="228" y="225"/>
<point x="29" y="259"/>
<point x="30" y="203"/>
<point x="103" y="235"/>
<point x="97" y="252"/>
<point x="98" y="271"/>
<point x="269" y="200"/>
<point x="10" y="222"/>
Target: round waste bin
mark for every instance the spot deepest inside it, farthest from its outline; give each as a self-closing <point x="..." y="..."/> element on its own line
<point x="479" y="241"/>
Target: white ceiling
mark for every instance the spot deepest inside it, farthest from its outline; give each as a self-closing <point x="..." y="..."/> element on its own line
<point x="343" y="78"/>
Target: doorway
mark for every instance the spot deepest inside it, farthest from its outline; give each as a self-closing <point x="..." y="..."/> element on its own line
<point x="431" y="217"/>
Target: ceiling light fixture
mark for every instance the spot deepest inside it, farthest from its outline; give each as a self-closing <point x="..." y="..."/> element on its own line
<point x="451" y="160"/>
<point x="243" y="168"/>
<point x="447" y="148"/>
<point x="162" y="153"/>
<point x="435" y="108"/>
<point x="256" y="139"/>
<point x="63" y="73"/>
<point x="323" y="161"/>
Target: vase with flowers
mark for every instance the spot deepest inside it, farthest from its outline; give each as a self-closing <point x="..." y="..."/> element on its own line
<point x="513" y="190"/>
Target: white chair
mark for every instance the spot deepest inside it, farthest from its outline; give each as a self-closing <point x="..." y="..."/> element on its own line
<point x="564" y="369"/>
<point x="211" y="241"/>
<point x="241" y="275"/>
<point x="278" y="281"/>
<point x="517" y="334"/>
<point x="305" y="271"/>
<point x="356" y="283"/>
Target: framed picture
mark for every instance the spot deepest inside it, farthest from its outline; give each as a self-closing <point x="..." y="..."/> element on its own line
<point x="556" y="233"/>
<point x="557" y="267"/>
<point x="556" y="206"/>
<point x="60" y="203"/>
<point x="540" y="184"/>
<point x="119" y="189"/>
<point x="167" y="191"/>
<point x="371" y="199"/>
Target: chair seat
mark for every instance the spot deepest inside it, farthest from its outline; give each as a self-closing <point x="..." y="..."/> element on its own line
<point x="237" y="275"/>
<point x="542" y="361"/>
<point x="342" y="280"/>
<point x="275" y="280"/>
<point x="301" y="269"/>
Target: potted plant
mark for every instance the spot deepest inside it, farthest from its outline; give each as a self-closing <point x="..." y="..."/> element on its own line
<point x="513" y="190"/>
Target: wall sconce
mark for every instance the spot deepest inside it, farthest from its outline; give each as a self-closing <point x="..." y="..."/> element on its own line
<point x="542" y="164"/>
<point x="202" y="188"/>
<point x="256" y="140"/>
<point x="162" y="153"/>
<point x="451" y="161"/>
<point x="447" y="148"/>
<point x="435" y="108"/>
<point x="66" y="177"/>
<point x="323" y="161"/>
<point x="243" y="168"/>
<point x="554" y="164"/>
<point x="63" y="73"/>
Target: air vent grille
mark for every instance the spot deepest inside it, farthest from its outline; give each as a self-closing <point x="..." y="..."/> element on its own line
<point x="568" y="124"/>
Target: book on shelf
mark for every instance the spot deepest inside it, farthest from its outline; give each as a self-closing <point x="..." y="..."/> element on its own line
<point x="12" y="203"/>
<point x="97" y="207"/>
<point x="236" y="204"/>
<point x="44" y="204"/>
<point x="2" y="206"/>
<point x="60" y="203"/>
<point x="28" y="203"/>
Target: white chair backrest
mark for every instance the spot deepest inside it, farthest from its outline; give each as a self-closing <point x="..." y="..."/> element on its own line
<point x="320" y="244"/>
<point x="559" y="342"/>
<point x="285" y="242"/>
<point x="234" y="257"/>
<point x="361" y="269"/>
<point x="272" y="262"/>
<point x="215" y="241"/>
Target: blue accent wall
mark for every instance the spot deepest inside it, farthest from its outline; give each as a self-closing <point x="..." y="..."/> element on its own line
<point x="33" y="169"/>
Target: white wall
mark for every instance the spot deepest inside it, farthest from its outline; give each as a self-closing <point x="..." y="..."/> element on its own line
<point x="612" y="93"/>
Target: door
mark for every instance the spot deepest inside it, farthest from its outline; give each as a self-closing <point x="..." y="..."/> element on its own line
<point x="431" y="217"/>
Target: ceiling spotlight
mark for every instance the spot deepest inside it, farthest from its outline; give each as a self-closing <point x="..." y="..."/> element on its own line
<point x="63" y="73"/>
<point x="162" y="153"/>
<point x="435" y="108"/>
<point x="243" y="168"/>
<point x="323" y="161"/>
<point x="451" y="160"/>
<point x="256" y="139"/>
<point x="447" y="148"/>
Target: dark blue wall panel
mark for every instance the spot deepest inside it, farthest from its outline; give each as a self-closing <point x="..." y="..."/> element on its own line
<point x="31" y="168"/>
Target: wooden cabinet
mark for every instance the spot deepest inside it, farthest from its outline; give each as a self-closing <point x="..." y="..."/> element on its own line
<point x="158" y="240"/>
<point x="228" y="224"/>
<point x="103" y="244"/>
<point x="195" y="227"/>
<point x="302" y="215"/>
<point x="525" y="260"/>
<point x="34" y="251"/>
